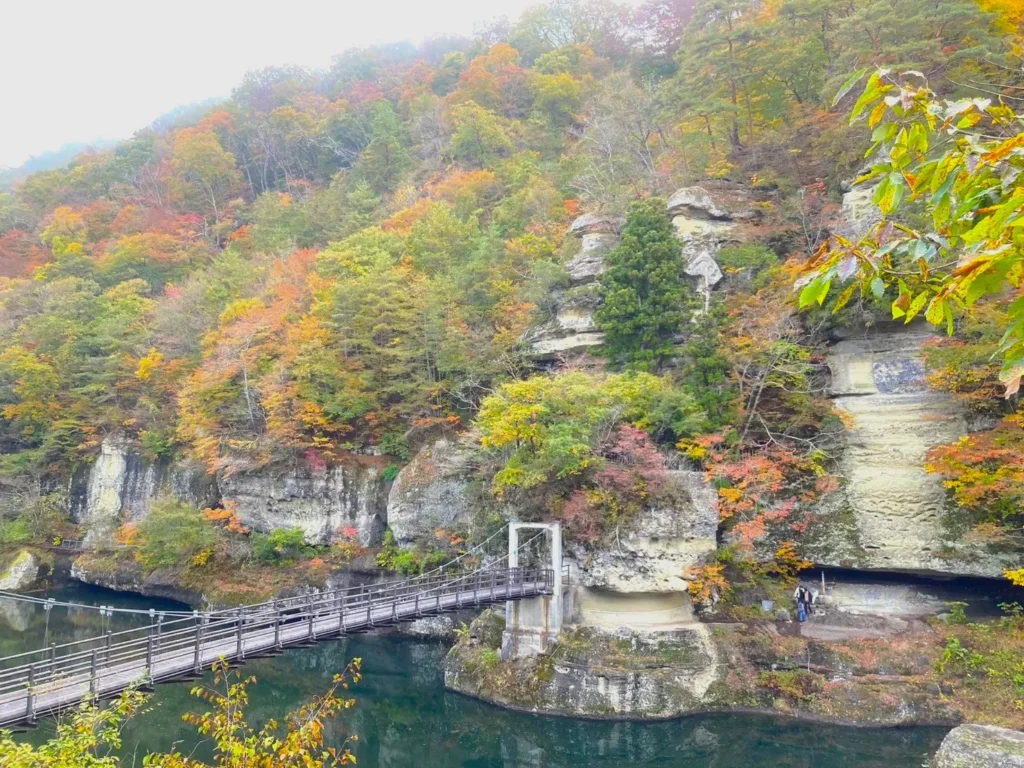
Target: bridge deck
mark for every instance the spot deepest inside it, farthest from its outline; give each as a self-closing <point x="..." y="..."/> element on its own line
<point x="50" y="683"/>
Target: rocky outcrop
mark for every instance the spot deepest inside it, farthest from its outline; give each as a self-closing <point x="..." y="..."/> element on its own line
<point x="626" y="675"/>
<point x="429" y="493"/>
<point x="323" y="503"/>
<point x="858" y="212"/>
<point x="706" y="217"/>
<point x="653" y="552"/>
<point x="897" y="512"/>
<point x="653" y="673"/>
<point x="21" y="572"/>
<point x="572" y="329"/>
<point x="981" y="746"/>
<point x="126" y="575"/>
<point x="121" y="485"/>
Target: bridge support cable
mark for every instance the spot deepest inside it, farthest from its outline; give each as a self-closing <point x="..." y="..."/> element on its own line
<point x="60" y="676"/>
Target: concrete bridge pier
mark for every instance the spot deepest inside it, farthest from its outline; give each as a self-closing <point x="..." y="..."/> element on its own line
<point x="533" y="625"/>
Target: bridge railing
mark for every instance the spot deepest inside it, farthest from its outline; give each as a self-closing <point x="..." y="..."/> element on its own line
<point x="107" y="663"/>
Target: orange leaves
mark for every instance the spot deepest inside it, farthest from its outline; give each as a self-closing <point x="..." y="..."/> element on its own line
<point x="985" y="471"/>
<point x="127" y="534"/>
<point x="468" y="189"/>
<point x="226" y="517"/>
<point x="765" y="489"/>
<point x="707" y="583"/>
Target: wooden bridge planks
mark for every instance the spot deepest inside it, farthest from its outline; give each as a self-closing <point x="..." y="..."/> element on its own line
<point x="63" y="693"/>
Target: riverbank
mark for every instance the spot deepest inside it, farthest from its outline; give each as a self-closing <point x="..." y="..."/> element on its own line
<point x="879" y="654"/>
<point x="405" y="716"/>
<point x="936" y="672"/>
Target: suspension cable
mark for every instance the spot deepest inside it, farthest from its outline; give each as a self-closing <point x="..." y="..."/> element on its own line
<point x="104" y="608"/>
<point x="48" y="603"/>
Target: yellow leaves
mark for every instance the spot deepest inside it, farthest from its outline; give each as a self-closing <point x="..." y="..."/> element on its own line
<point x="152" y="360"/>
<point x="707" y="583"/>
<point x="240" y="309"/>
<point x="692" y="450"/>
<point x="876" y="114"/>
<point x="201" y="558"/>
<point x="719" y="166"/>
<point x="1016" y="577"/>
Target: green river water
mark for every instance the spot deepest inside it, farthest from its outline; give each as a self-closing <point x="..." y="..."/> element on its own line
<point x="404" y="716"/>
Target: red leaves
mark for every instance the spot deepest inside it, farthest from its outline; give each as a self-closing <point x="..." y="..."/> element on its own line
<point x="633" y="471"/>
<point x="985" y="471"/>
<point x="765" y="488"/>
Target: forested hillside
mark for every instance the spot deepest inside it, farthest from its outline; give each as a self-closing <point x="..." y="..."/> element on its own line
<point x="346" y="261"/>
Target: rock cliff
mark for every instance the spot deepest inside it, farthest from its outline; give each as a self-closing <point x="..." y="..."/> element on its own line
<point x="653" y="552"/>
<point x="121" y="485"/>
<point x="981" y="746"/>
<point x="572" y="329"/>
<point x="430" y="492"/>
<point x="898" y="514"/>
<point x="706" y="218"/>
<point x="323" y="503"/>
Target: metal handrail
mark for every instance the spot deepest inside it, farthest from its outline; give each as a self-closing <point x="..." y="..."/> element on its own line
<point x="94" y="664"/>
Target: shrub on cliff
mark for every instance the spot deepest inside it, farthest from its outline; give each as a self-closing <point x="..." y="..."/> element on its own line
<point x="549" y="428"/>
<point x="173" y="533"/>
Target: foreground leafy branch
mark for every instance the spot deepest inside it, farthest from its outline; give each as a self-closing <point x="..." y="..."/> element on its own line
<point x="91" y="737"/>
<point x="955" y="164"/>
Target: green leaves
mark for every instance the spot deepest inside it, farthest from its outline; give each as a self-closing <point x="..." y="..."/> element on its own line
<point x="848" y="85"/>
<point x="643" y="289"/>
<point x="815" y="292"/>
<point x="873" y="91"/>
<point x="969" y="250"/>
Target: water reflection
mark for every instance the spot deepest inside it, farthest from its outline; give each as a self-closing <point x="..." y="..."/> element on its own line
<point x="404" y="717"/>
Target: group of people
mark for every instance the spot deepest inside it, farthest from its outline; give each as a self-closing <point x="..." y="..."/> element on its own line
<point x="804" y="600"/>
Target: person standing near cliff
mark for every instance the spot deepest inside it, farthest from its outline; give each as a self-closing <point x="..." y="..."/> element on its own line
<point x="803" y="602"/>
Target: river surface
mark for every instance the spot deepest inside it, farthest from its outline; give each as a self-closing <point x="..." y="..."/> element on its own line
<point x="404" y="716"/>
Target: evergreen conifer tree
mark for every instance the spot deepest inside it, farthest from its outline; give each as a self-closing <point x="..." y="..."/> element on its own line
<point x="644" y="293"/>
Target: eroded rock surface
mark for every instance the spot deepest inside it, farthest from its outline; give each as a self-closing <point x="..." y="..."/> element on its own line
<point x="898" y="510"/>
<point x="621" y="675"/>
<point x="430" y="492"/>
<point x="323" y="503"/>
<point x="572" y="329"/>
<point x="120" y="486"/>
<point x="859" y="212"/>
<point x="654" y="551"/>
<point x="21" y="572"/>
<point x="981" y="746"/>
<point x="705" y="217"/>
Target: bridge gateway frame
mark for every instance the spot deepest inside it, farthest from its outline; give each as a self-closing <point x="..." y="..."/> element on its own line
<point x="531" y="626"/>
<point x="58" y="677"/>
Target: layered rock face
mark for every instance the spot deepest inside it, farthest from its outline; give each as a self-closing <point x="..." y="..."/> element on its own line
<point x="673" y="671"/>
<point x="653" y="553"/>
<point x="121" y="485"/>
<point x="430" y="492"/>
<point x="898" y="511"/>
<point x="981" y="746"/>
<point x="706" y="218"/>
<point x="321" y="503"/>
<point x="572" y="329"/>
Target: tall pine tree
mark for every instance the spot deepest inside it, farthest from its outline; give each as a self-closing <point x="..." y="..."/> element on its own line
<point x="644" y="293"/>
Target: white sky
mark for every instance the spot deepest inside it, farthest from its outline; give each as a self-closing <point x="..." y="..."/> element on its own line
<point x="78" y="70"/>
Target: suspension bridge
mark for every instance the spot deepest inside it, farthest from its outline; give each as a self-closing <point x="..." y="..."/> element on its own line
<point x="177" y="646"/>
